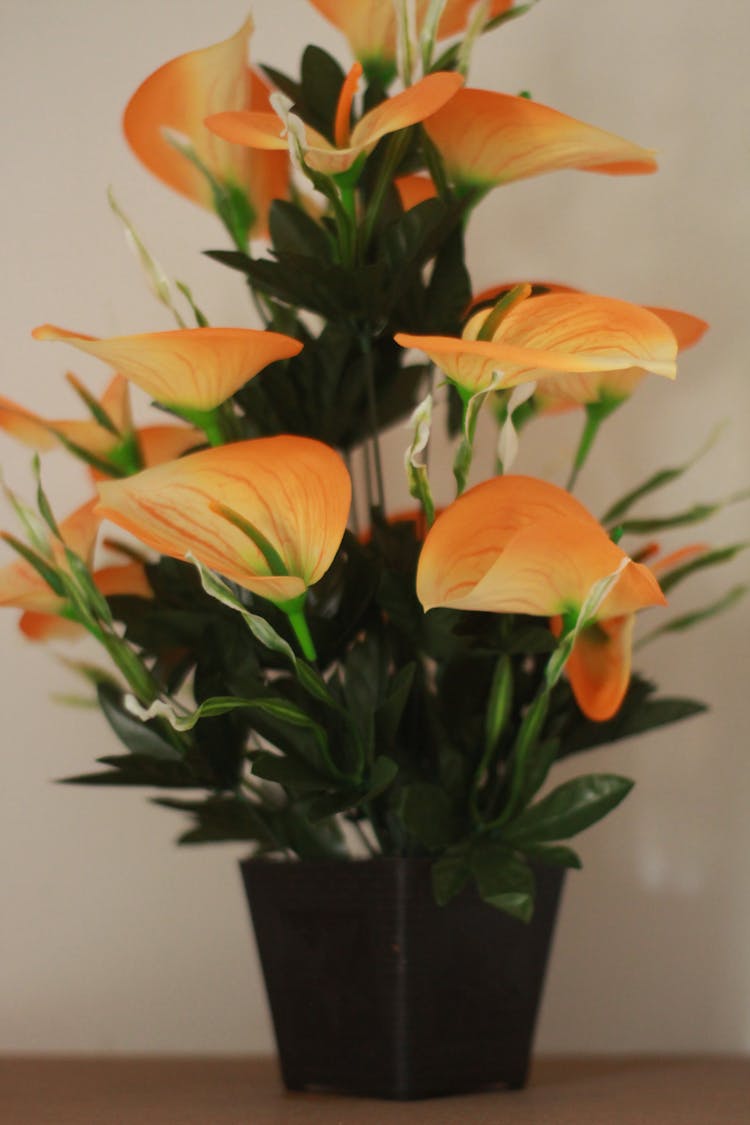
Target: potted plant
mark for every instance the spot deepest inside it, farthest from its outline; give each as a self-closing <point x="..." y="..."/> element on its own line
<point x="377" y="696"/>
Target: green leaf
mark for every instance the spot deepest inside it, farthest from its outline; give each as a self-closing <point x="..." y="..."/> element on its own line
<point x="672" y="578"/>
<point x="449" y="876"/>
<point x="139" y="770"/>
<point x="288" y="772"/>
<point x="567" y="810"/>
<point x="555" y="855"/>
<point x="688" y="620"/>
<point x="638" y="713"/>
<point x="388" y="715"/>
<point x="427" y="814"/>
<point x="383" y="773"/>
<point x="658" y="480"/>
<point x="695" y="514"/>
<point x="140" y="738"/>
<point x="322" y="79"/>
<point x="293" y="231"/>
<point x="223" y="818"/>
<point x="40" y="565"/>
<point x="503" y="880"/>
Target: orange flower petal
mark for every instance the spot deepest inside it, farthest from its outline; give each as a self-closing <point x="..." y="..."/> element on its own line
<point x="267" y="131"/>
<point x="189" y="369"/>
<point x="294" y="490"/>
<point x="129" y="579"/>
<point x="414" y="189"/>
<point x="687" y="329"/>
<point x="370" y="25"/>
<point x="165" y="443"/>
<point x="599" y="666"/>
<point x="489" y="138"/>
<point x="47" y="627"/>
<point x="519" y="545"/>
<point x="25" y="426"/>
<point x="178" y="96"/>
<point x="574" y="333"/>
<point x="23" y="587"/>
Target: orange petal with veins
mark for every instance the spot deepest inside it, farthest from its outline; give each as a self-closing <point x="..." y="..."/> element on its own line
<point x="515" y="544"/>
<point x="267" y="131"/>
<point x="178" y="96"/>
<point x="294" y="490"/>
<point x="188" y="369"/>
<point x="575" y="333"/>
<point x="488" y="138"/>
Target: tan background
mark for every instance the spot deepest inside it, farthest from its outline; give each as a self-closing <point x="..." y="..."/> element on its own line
<point x="112" y="939"/>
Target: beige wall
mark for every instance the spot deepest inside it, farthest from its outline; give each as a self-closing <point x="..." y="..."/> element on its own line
<point x="112" y="939"/>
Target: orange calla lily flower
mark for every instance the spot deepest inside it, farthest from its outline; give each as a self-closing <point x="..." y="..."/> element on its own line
<point x="370" y="26"/>
<point x="42" y="434"/>
<point x="165" y="443"/>
<point x="190" y="369"/>
<point x="294" y="493"/>
<point x="574" y="333"/>
<point x="558" y="393"/>
<point x="599" y="666"/>
<point x="516" y="544"/>
<point x="488" y="138"/>
<point x="129" y="579"/>
<point x="179" y="96"/>
<point x="20" y="584"/>
<point x="267" y="131"/>
<point x="520" y="545"/>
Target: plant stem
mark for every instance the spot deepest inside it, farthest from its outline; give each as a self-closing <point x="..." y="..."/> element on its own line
<point x="373" y="416"/>
<point x="298" y="623"/>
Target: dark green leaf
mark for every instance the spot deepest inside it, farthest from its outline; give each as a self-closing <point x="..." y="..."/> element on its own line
<point x="139" y="737"/>
<point x="638" y="713"/>
<point x="555" y="855"/>
<point x="388" y="715"/>
<point x="503" y="880"/>
<point x="567" y="810"/>
<point x="427" y="814"/>
<point x="322" y="79"/>
<point x="449" y="875"/>
<point x="138" y="769"/>
<point x="288" y="772"/>
<point x="383" y="773"/>
<point x="293" y="231"/>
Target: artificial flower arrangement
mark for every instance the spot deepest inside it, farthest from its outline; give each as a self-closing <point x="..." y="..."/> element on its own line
<point x="340" y="679"/>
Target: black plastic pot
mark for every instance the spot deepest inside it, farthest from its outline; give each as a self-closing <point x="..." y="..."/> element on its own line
<point x="376" y="990"/>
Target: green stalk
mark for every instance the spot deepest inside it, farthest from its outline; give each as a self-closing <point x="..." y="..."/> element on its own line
<point x="296" y="614"/>
<point x="596" y="412"/>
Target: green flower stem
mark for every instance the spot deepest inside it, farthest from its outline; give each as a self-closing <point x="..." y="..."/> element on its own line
<point x="296" y="614"/>
<point x="373" y="418"/>
<point x="596" y="412"/>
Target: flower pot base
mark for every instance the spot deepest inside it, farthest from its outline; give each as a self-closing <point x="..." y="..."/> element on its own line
<point x="375" y="990"/>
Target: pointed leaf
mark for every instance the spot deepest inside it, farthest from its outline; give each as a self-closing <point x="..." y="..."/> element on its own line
<point x="567" y="810"/>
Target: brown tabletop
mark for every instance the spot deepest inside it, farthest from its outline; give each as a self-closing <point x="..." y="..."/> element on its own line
<point x="247" y="1091"/>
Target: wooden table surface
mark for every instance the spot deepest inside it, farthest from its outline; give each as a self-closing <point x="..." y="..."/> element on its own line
<point x="247" y="1091"/>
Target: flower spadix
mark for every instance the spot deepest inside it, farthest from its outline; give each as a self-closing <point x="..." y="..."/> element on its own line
<point x="191" y="370"/>
<point x="487" y="138"/>
<point x="371" y="29"/>
<point x="178" y="97"/>
<point x="575" y="333"/>
<point x="267" y="131"/>
<point x="515" y="544"/>
<point x="269" y="514"/>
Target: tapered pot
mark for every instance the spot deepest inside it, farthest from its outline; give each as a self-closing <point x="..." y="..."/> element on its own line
<point x="374" y="989"/>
